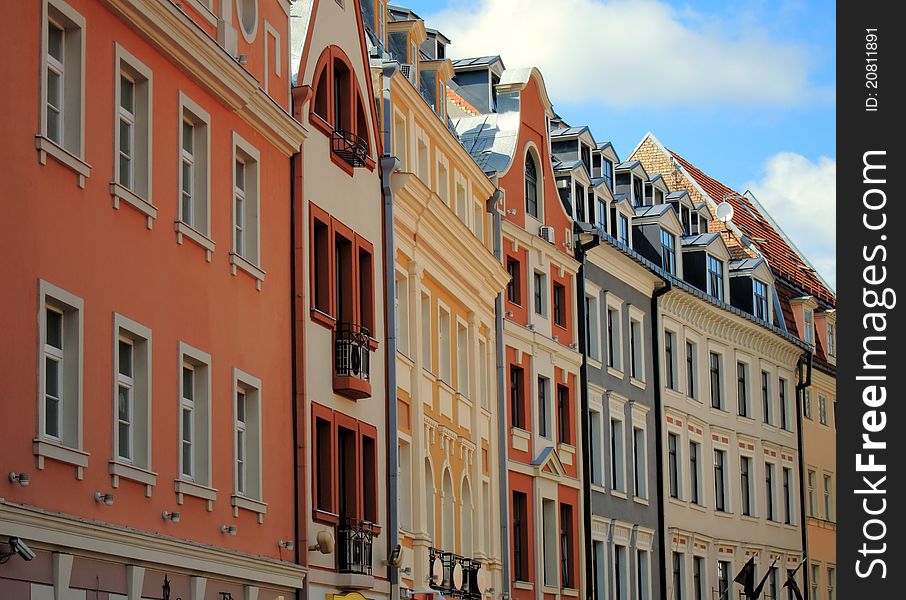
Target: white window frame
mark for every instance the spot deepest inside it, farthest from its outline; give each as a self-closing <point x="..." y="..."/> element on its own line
<point x="744" y="456"/>
<point x="251" y="496"/>
<point x="721" y="379"/>
<point x="200" y="482"/>
<point x="594" y="326"/>
<point x="640" y="467"/>
<point x="68" y="446"/>
<point x="637" y="344"/>
<point x="542" y="310"/>
<point x="199" y="229"/>
<point x="614" y="335"/>
<point x="618" y="462"/>
<point x="444" y="344"/>
<point x="747" y="386"/>
<point x="401" y="308"/>
<point x="725" y="477"/>
<point x="693" y="388"/>
<point x="771" y="494"/>
<point x="138" y="467"/>
<point x="69" y="150"/>
<point x="463" y="352"/>
<point x="247" y="257"/>
<point x="427" y="349"/>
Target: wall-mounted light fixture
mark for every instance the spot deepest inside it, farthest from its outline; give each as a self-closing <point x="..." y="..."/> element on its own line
<point x="20" y="478"/>
<point x="171" y="516"/>
<point x="230" y="529"/>
<point x="286" y="544"/>
<point x="105" y="498"/>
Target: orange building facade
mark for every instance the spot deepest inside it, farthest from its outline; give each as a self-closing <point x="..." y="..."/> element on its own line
<point x="151" y="296"/>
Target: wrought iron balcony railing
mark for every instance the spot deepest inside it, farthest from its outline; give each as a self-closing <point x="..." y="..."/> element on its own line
<point x="354" y="543"/>
<point x="350" y="147"/>
<point x="460" y="575"/>
<point x="352" y="351"/>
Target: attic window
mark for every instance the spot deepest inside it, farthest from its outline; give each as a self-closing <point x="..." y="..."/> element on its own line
<point x="760" y="299"/>
<point x="716" y="277"/>
<point x="637" y="191"/>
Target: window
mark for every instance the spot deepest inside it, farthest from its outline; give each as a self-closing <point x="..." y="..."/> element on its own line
<point x="742" y="389"/>
<point x="607" y="172"/>
<point x="592" y="332"/>
<point x="462" y="359"/>
<point x="520" y="537"/>
<point x="543" y="407"/>
<point x="132" y="397"/>
<point x="63" y="85"/>
<point x="401" y="307"/>
<point x="715" y="369"/>
<point x="560" y="304"/>
<point x="828" y="498"/>
<point x="787" y="496"/>
<point x="691" y="369"/>
<point x="831" y="583"/>
<point x="784" y="408"/>
<point x="597" y="448"/>
<point x="531" y="185"/>
<point x="673" y="470"/>
<point x="620" y="566"/>
<point x="539" y="293"/>
<point x="602" y="215"/>
<point x="614" y="340"/>
<point x="599" y="568"/>
<point x="566" y="546"/>
<point x="695" y="472"/>
<point x="195" y="416"/>
<point x="772" y="583"/>
<point x="678" y="583"/>
<point x="812" y="499"/>
<point x="623" y="232"/>
<point x="831" y="340"/>
<point x="643" y="572"/>
<point x="133" y="126"/>
<point x="698" y="578"/>
<point x="426" y="327"/>
<point x="720" y="481"/>
<point x="668" y="251"/>
<point x="517" y="411"/>
<point x="483" y="373"/>
<point x="715" y="277"/>
<point x="815" y="580"/>
<point x="248" y="18"/>
<point x="514" y="287"/>
<point x="60" y="371"/>
<point x="760" y="300"/>
<point x="640" y="479"/>
<point x="766" y="398"/>
<point x="745" y="477"/>
<point x="822" y="410"/>
<point x="246" y="247"/>
<point x="807" y="404"/>
<point x="809" y="326"/>
<point x="247" y="443"/>
<point x="564" y="431"/>
<point x="194" y="172"/>
<point x="404" y="469"/>
<point x="723" y="579"/>
<point x="770" y="492"/>
<point x="617" y="461"/>
<point x="443" y="345"/>
<point x="637" y="369"/>
<point x="670" y="359"/>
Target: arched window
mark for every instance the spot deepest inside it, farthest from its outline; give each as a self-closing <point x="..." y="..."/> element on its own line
<point x="429" y="501"/>
<point x="322" y="102"/>
<point x="342" y="96"/>
<point x="531" y="185"/>
<point x="465" y="519"/>
<point x="448" y="542"/>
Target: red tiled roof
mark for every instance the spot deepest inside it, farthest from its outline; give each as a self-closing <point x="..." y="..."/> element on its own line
<point x="785" y="293"/>
<point x="462" y="103"/>
<point x="785" y="262"/>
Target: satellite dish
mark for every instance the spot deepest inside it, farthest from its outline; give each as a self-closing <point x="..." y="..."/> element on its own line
<point x="437" y="571"/>
<point x="482" y="580"/>
<point x="457" y="576"/>
<point x="724" y="212"/>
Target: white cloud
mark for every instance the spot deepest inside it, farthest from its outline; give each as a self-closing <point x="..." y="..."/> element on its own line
<point x="801" y="196"/>
<point x="630" y="53"/>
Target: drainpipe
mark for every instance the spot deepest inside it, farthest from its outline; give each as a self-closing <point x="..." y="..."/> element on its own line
<point x="389" y="165"/>
<point x="502" y="436"/>
<point x="803" y="380"/>
<point x="659" y="430"/>
<point x="582" y="317"/>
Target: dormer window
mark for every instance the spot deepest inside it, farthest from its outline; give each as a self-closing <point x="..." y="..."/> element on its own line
<point x="607" y="172"/>
<point x="623" y="230"/>
<point x="637" y="191"/>
<point x="580" y="202"/>
<point x="649" y="194"/>
<point x="715" y="277"/>
<point x="602" y="214"/>
<point x="585" y="153"/>
<point x="831" y="339"/>
<point x="809" y="333"/>
<point x="338" y="110"/>
<point x="760" y="300"/>
<point x="658" y="197"/>
<point x="668" y="251"/>
<point x="702" y="224"/>
<point x="686" y="219"/>
<point x="531" y="185"/>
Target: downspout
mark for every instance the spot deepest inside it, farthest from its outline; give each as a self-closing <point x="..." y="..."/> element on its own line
<point x="582" y="317"/>
<point x="389" y="165"/>
<point x="802" y="382"/>
<point x="502" y="437"/>
<point x="659" y="430"/>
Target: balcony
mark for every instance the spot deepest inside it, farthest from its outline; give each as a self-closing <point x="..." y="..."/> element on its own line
<point x="354" y="542"/>
<point x="352" y="361"/>
<point x="349" y="147"/>
<point x="460" y="575"/>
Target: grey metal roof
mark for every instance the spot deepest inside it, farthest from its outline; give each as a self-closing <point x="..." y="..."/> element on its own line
<point x="627" y="165"/>
<point x="677" y="194"/>
<point x="745" y="264"/>
<point x="700" y="239"/>
<point x="569" y="131"/>
<point x="477" y="61"/>
<point x="490" y="139"/>
<point x="568" y="165"/>
<point x="604" y="146"/>
<point x="652" y="211"/>
<point x="401" y="13"/>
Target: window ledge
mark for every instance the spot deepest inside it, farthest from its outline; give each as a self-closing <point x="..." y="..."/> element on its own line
<point x="619" y="494"/>
<point x="322" y="318"/>
<point x="523" y="585"/>
<point x="698" y="507"/>
<point x="549" y="589"/>
<point x="54" y="450"/>
<point x="185" y="230"/>
<point x="723" y="514"/>
<point x="595" y="363"/>
<point x="638" y="383"/>
<point x="517" y="432"/>
<point x="126" y="471"/>
<point x="323" y="516"/>
<point x="189" y="488"/>
<point x="615" y="372"/>
<point x="570" y="592"/>
<point x="640" y="500"/>
<point x="242" y="263"/>
<point x="46" y="146"/>
<point x="250" y="504"/>
<point x="118" y="192"/>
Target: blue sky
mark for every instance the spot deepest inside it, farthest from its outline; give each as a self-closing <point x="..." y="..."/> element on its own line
<point x="743" y="89"/>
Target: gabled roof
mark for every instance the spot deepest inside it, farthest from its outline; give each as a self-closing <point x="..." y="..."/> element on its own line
<point x="678" y="195"/>
<point x="477" y="62"/>
<point x="401" y="13"/>
<point x="745" y="264"/>
<point x="633" y="165"/>
<point x="785" y="259"/>
<point x="701" y="239"/>
<point x="568" y="131"/>
<point x="652" y="211"/>
<point x="548" y="462"/>
<point x="607" y="150"/>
